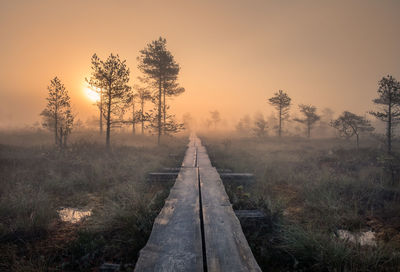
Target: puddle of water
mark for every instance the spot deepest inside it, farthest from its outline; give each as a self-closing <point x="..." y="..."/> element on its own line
<point x="366" y="238"/>
<point x="73" y="215"/>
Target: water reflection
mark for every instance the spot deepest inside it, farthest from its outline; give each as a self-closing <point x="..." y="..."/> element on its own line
<point x="73" y="215"/>
<point x="366" y="238"/>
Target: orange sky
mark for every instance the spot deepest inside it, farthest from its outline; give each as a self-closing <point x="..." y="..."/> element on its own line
<point x="233" y="54"/>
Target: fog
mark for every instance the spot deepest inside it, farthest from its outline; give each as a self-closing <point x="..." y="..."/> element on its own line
<point x="233" y="54"/>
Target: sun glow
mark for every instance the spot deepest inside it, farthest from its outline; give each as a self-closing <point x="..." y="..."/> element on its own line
<point x="92" y="94"/>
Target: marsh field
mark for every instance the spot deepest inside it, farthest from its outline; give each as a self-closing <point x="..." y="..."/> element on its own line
<point x="43" y="191"/>
<point x="328" y="205"/>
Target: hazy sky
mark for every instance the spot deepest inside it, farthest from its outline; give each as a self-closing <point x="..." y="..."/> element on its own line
<point x="233" y="54"/>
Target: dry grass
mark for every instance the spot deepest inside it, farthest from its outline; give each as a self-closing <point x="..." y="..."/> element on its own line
<point x="309" y="189"/>
<point x="37" y="179"/>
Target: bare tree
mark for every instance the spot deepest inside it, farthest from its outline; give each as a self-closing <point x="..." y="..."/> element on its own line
<point x="170" y="88"/>
<point x="135" y="115"/>
<point x="281" y="101"/>
<point x="389" y="100"/>
<point x="188" y="121"/>
<point x="57" y="116"/>
<point x="215" y="118"/>
<point x="143" y="95"/>
<point x="171" y="126"/>
<point x="100" y="106"/>
<point x="349" y="124"/>
<point x="310" y="117"/>
<point x="327" y="115"/>
<point x="260" y="125"/>
<point x="95" y="86"/>
<point x="112" y="77"/>
<point x="67" y="123"/>
<point x="324" y="128"/>
<point x="160" y="68"/>
<point x="272" y="121"/>
<point x="244" y="125"/>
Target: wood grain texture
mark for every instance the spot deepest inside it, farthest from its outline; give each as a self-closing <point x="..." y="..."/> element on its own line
<point x="175" y="243"/>
<point x="175" y="240"/>
<point x="226" y="246"/>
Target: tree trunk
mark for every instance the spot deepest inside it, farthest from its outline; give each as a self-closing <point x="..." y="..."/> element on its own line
<point x="65" y="140"/>
<point x="142" y="115"/>
<point x="159" y="111"/>
<point x="101" y="112"/>
<point x="56" y="120"/>
<point x="389" y="128"/>
<point x="164" y="108"/>
<point x="358" y="141"/>
<point x="280" y="122"/>
<point x="60" y="137"/>
<point x="133" y="119"/>
<point x="308" y="131"/>
<point x="108" y="118"/>
<point x="56" y="127"/>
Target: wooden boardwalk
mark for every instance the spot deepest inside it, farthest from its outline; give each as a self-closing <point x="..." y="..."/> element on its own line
<point x="197" y="229"/>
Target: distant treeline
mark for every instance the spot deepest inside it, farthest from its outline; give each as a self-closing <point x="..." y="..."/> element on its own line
<point x="347" y="125"/>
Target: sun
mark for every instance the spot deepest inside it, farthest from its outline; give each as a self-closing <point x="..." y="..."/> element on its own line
<point x="91" y="94"/>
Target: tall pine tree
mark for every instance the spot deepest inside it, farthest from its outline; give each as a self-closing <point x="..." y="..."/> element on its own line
<point x="281" y="101"/>
<point x="161" y="71"/>
<point x="389" y="100"/>
<point x="112" y="77"/>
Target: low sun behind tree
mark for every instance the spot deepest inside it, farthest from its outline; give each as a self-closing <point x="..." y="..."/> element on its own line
<point x="111" y="76"/>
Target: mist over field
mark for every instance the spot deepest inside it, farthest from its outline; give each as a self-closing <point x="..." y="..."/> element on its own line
<point x="200" y="135"/>
<point x="234" y="54"/>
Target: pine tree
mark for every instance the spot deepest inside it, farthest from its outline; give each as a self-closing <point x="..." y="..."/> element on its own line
<point x="57" y="116"/>
<point x="170" y="88"/>
<point x="389" y="101"/>
<point x="112" y="77"/>
<point x="161" y="71"/>
<point x="310" y="117"/>
<point x="143" y="95"/>
<point x="260" y="125"/>
<point x="349" y="124"/>
<point x="281" y="101"/>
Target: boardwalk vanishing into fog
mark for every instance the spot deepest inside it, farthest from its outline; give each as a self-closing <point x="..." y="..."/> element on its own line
<point x="197" y="229"/>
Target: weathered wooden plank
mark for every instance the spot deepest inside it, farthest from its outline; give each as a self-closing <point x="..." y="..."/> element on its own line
<point x="175" y="243"/>
<point x="226" y="246"/>
<point x="250" y="214"/>
<point x="202" y="156"/>
<point x="162" y="176"/>
<point x="175" y="240"/>
<point x="171" y="170"/>
<point x="237" y="176"/>
<point x="190" y="156"/>
<point x="173" y="174"/>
